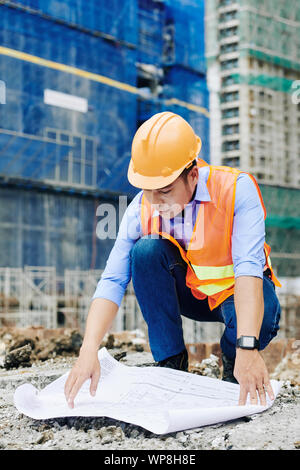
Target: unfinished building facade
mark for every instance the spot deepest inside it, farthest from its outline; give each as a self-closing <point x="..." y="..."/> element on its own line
<point x="253" y="58"/>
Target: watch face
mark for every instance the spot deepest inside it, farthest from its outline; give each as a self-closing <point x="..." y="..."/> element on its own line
<point x="248" y="341"/>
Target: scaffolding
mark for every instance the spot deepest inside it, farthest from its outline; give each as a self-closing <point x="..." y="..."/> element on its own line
<point x="151" y="21"/>
<point x="269" y="30"/>
<point x="172" y="66"/>
<point x="108" y="45"/>
<point x="184" y="34"/>
<point x="36" y="296"/>
<point x="59" y="157"/>
<point x="266" y="29"/>
<point x="282" y="228"/>
<point x="253" y="66"/>
<point x="113" y="20"/>
<point x="49" y="142"/>
<point x="28" y="297"/>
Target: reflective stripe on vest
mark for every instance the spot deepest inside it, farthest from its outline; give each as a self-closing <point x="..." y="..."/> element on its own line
<point x="213" y="272"/>
<point x="211" y="289"/>
<point x="225" y="274"/>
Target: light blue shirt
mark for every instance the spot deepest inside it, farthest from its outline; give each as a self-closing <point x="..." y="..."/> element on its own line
<point x="248" y="236"/>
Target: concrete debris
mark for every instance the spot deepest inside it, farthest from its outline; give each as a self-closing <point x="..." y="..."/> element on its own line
<point x="120" y="355"/>
<point x="46" y="436"/>
<point x="39" y="356"/>
<point x="19" y="357"/>
<point x="110" y="434"/>
<point x="24" y="346"/>
<point x="69" y="343"/>
<point x="21" y="347"/>
<point x="288" y="368"/>
<point x="133" y="341"/>
<point x="261" y="431"/>
<point x="209" y="367"/>
<point x="274" y="353"/>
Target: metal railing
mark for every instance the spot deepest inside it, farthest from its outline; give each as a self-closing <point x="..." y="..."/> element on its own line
<point x="36" y="296"/>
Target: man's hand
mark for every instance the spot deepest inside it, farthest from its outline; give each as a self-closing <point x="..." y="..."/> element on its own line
<point x="86" y="367"/>
<point x="251" y="373"/>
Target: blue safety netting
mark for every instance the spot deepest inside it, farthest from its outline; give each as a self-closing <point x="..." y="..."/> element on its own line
<point x="29" y="158"/>
<point x="151" y="22"/>
<point x="44" y="146"/>
<point x="114" y="17"/>
<point x="42" y="228"/>
<point x="185" y="30"/>
<point x="44" y="38"/>
<point x="111" y="117"/>
<point x="187" y="84"/>
<point x="66" y="34"/>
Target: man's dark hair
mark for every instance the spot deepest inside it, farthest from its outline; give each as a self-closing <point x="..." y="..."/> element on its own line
<point x="186" y="171"/>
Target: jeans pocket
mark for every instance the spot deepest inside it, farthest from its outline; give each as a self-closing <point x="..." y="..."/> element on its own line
<point x="228" y="312"/>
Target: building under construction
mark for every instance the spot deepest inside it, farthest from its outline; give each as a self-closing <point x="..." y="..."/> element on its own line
<point x="77" y="79"/>
<point x="253" y="64"/>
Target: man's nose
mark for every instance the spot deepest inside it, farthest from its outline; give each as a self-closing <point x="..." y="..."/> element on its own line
<point x="153" y="197"/>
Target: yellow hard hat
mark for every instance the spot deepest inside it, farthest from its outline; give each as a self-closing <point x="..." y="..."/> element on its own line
<point x="162" y="148"/>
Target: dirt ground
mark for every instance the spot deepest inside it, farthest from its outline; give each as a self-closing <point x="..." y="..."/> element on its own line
<point x="278" y="428"/>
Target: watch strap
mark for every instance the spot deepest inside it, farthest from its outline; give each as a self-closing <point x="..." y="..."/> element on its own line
<point x="247" y="342"/>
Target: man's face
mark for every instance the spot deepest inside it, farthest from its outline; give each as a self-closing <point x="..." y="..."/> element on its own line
<point x="170" y="200"/>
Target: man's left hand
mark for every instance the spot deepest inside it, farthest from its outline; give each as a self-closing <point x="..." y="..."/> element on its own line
<point x="251" y="373"/>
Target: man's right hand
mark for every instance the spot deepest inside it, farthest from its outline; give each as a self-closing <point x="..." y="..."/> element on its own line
<point x="86" y="367"/>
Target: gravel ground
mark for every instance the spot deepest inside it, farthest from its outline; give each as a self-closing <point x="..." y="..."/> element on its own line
<point x="275" y="429"/>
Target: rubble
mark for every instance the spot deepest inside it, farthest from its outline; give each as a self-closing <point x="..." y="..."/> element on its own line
<point x="261" y="431"/>
<point x="20" y="347"/>
<point x="39" y="356"/>
<point x="25" y="346"/>
<point x="209" y="367"/>
<point x="131" y="340"/>
<point x="19" y="357"/>
<point x="288" y="369"/>
<point x="110" y="434"/>
<point x="46" y="436"/>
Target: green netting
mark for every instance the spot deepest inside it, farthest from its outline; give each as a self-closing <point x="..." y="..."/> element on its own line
<point x="273" y="59"/>
<point x="283" y="222"/>
<point x="282" y="227"/>
<point x="285" y="9"/>
<point x="282" y="241"/>
<point x="280" y="201"/>
<point x="270" y="31"/>
<point x="272" y="82"/>
<point x="285" y="267"/>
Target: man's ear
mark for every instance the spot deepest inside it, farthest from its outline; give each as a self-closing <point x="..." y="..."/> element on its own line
<point x="194" y="174"/>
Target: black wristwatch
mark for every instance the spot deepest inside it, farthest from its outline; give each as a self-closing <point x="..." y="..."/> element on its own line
<point x="247" y="342"/>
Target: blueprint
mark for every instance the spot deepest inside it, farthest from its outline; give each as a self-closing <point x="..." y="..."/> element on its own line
<point x="159" y="399"/>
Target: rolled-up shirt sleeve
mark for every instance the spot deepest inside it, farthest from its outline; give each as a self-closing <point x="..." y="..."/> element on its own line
<point x="117" y="272"/>
<point x="248" y="234"/>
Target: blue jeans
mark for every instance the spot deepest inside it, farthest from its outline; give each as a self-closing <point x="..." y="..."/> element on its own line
<point x="158" y="276"/>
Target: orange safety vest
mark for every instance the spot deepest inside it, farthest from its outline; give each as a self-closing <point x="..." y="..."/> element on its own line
<point x="210" y="267"/>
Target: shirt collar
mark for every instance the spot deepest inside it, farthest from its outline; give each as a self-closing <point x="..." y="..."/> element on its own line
<point x="202" y="193"/>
